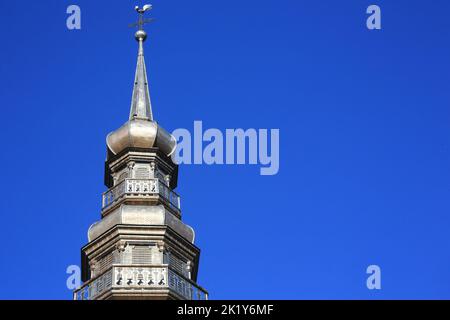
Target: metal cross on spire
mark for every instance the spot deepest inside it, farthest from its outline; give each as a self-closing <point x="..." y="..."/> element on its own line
<point x="141" y="22"/>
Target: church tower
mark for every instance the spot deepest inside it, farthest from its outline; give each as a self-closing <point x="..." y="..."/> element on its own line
<point x="140" y="248"/>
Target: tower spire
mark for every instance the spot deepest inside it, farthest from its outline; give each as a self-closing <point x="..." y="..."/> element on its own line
<point x="141" y="107"/>
<point x="140" y="249"/>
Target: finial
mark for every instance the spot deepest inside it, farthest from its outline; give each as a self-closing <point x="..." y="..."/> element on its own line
<point x="141" y="35"/>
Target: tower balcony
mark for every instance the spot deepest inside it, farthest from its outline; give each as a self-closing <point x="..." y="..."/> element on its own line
<point x="159" y="282"/>
<point x="141" y="189"/>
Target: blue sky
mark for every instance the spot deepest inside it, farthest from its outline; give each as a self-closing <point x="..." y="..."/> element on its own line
<point x="364" y="119"/>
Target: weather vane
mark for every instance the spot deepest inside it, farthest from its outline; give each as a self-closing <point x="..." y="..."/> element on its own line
<point x="141" y="22"/>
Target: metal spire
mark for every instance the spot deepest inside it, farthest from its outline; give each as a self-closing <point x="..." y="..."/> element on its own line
<point x="141" y="107"/>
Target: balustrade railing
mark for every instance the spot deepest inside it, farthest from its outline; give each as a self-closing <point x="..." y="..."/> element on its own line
<point x="141" y="187"/>
<point x="170" y="196"/>
<point x="141" y="277"/>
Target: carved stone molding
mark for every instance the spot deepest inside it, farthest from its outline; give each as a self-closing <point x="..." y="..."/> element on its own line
<point x="153" y="166"/>
<point x="167" y="179"/>
<point x="130" y="166"/>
